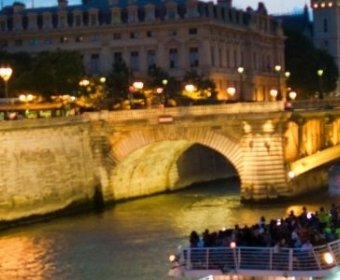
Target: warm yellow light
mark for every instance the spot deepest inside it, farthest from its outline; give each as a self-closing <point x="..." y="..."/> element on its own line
<point x="240" y="70"/>
<point x="231" y="91"/>
<point x="102" y="79"/>
<point x="165" y="82"/>
<point x="6" y="73"/>
<point x="330" y="4"/>
<point x="320" y="72"/>
<point x="84" y="83"/>
<point x="323" y="4"/>
<point x="190" y="87"/>
<point x="159" y="90"/>
<point x="172" y="258"/>
<point x="292" y="95"/>
<point x="291" y="174"/>
<point x="277" y="68"/>
<point x="138" y="85"/>
<point x="273" y="93"/>
<point x="329" y="259"/>
<point x="287" y="74"/>
<point x="232" y="245"/>
<point x="315" y="6"/>
<point x="26" y="98"/>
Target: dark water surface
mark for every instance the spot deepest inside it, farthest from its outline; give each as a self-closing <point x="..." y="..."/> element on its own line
<point x="133" y="240"/>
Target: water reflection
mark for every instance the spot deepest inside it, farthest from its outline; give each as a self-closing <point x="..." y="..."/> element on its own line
<point x="133" y="240"/>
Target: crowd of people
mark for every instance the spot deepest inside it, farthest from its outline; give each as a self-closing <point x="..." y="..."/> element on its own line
<point x="294" y="231"/>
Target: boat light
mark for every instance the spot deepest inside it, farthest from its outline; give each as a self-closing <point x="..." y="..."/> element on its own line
<point x="328" y="258"/>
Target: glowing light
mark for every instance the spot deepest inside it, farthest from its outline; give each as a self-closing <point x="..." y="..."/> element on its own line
<point x="316" y="6"/>
<point x="292" y="95"/>
<point x="138" y="85"/>
<point x="273" y="93"/>
<point x="329" y="259"/>
<point x="291" y="174"/>
<point x="231" y="91"/>
<point x="323" y="5"/>
<point x="172" y="258"/>
<point x="190" y="87"/>
<point x="232" y="245"/>
<point x="277" y="68"/>
<point x="330" y="4"/>
<point x="240" y="70"/>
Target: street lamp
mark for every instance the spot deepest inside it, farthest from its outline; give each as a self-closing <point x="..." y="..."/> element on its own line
<point x="136" y="86"/>
<point x="5" y="74"/>
<point x="319" y="72"/>
<point x="231" y="92"/>
<point x="240" y="70"/>
<point x="274" y="93"/>
<point x="278" y="68"/>
<point x="292" y="95"/>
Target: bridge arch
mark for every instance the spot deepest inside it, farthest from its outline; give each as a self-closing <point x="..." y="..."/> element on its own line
<point x="147" y="160"/>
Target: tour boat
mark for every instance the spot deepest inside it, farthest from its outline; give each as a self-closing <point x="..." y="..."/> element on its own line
<point x="241" y="263"/>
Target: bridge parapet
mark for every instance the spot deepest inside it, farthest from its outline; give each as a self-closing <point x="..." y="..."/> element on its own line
<point x="178" y="112"/>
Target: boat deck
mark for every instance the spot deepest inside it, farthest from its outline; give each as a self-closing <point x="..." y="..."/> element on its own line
<point x="317" y="263"/>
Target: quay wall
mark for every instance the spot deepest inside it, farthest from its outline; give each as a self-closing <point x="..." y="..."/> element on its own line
<point x="45" y="165"/>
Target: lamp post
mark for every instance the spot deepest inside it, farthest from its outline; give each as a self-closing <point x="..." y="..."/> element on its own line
<point x="231" y="92"/>
<point x="320" y="74"/>
<point x="240" y="70"/>
<point x="5" y="74"/>
<point x="274" y="93"/>
<point x="165" y="94"/>
<point x="278" y="70"/>
<point x="137" y="86"/>
<point x="292" y="95"/>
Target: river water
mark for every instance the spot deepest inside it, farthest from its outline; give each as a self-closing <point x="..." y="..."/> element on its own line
<point x="132" y="240"/>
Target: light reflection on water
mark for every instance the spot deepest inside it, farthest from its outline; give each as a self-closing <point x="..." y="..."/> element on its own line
<point x="132" y="240"/>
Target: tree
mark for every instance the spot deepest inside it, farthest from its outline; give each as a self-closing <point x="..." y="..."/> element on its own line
<point x="56" y="72"/>
<point x="205" y="87"/>
<point x="118" y="81"/>
<point x="303" y="60"/>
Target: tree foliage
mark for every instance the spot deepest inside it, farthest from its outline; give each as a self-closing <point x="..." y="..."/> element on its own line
<point x="303" y="60"/>
<point x="118" y="80"/>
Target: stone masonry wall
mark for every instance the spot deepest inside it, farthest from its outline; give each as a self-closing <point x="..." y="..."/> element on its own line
<point x="45" y="166"/>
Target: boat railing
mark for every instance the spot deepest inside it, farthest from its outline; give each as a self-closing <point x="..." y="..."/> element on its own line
<point x="317" y="261"/>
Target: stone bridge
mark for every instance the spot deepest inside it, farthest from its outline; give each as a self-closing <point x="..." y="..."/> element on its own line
<point x="48" y="165"/>
<point x="275" y="152"/>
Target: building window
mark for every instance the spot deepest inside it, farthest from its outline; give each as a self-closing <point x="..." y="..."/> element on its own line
<point x="117" y="57"/>
<point x="79" y="39"/>
<point x="149" y="34"/>
<point x="78" y="20"/>
<point x="325" y="25"/>
<point x="132" y="35"/>
<point x="172" y="33"/>
<point x="151" y="58"/>
<point x="193" y="57"/>
<point x="18" y="43"/>
<point x="227" y="58"/>
<point x="212" y="56"/>
<point x="134" y="61"/>
<point x="117" y="36"/>
<point x="326" y="43"/>
<point x="173" y="58"/>
<point x="33" y="42"/>
<point x="63" y="39"/>
<point x="3" y="26"/>
<point x="93" y="20"/>
<point x="48" y="41"/>
<point x="192" y="31"/>
<point x="94" y="63"/>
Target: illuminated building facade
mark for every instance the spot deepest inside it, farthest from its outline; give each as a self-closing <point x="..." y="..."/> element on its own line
<point x="214" y="39"/>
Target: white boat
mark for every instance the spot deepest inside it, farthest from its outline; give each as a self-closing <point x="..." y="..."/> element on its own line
<point x="236" y="263"/>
